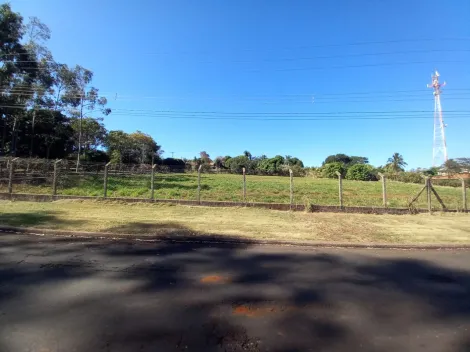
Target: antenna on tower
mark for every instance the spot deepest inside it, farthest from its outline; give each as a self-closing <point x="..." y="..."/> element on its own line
<point x="439" y="150"/>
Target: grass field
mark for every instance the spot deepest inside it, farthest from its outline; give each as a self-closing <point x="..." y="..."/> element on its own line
<point x="157" y="219"/>
<point x="226" y="187"/>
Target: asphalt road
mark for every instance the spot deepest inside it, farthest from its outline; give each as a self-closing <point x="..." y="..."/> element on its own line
<point x="94" y="295"/>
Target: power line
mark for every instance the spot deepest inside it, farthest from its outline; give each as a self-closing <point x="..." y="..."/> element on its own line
<point x="333" y="67"/>
<point x="396" y="41"/>
<point x="307" y="58"/>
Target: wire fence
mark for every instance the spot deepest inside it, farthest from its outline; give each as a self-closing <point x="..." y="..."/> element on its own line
<point x="49" y="177"/>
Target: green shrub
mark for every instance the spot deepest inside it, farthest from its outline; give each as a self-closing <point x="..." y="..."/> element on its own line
<point x="361" y="172"/>
<point x="329" y="170"/>
<point x="406" y="176"/>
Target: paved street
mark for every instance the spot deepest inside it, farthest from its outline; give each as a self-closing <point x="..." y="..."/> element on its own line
<point x="60" y="294"/>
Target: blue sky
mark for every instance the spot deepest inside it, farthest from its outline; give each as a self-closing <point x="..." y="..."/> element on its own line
<point x="272" y="59"/>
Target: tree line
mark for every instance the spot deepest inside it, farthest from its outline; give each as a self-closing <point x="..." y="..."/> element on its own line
<point x="50" y="110"/>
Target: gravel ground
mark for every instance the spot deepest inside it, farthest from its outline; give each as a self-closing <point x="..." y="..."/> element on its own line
<point x="62" y="294"/>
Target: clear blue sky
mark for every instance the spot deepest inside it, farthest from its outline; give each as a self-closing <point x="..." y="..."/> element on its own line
<point x="271" y="56"/>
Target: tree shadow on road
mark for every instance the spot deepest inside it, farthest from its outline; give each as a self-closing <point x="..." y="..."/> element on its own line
<point x="192" y="292"/>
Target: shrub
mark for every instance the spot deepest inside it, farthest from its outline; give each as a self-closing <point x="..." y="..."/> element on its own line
<point x="329" y="170"/>
<point x="361" y="172"/>
<point x="406" y="176"/>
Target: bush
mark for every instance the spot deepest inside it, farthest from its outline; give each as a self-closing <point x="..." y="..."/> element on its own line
<point x="406" y="176"/>
<point x="361" y="172"/>
<point x="329" y="170"/>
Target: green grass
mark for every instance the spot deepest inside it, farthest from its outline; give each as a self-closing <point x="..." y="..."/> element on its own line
<point x="223" y="187"/>
<point x="153" y="219"/>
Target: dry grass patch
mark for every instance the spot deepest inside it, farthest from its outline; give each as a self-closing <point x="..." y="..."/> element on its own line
<point x="158" y="219"/>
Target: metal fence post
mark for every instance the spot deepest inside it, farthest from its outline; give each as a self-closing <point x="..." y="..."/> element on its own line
<point x="291" y="176"/>
<point x="384" y="188"/>
<point x="152" y="182"/>
<point x="199" y="184"/>
<point x="340" y="179"/>
<point x="54" y="179"/>
<point x="10" y="176"/>
<point x="464" y="194"/>
<point x="105" y="185"/>
<point x="244" y="185"/>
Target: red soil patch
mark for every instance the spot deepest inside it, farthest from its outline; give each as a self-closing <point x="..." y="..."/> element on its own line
<point x="253" y="311"/>
<point x="215" y="279"/>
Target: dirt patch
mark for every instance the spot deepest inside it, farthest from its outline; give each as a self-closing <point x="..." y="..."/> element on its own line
<point x="215" y="279"/>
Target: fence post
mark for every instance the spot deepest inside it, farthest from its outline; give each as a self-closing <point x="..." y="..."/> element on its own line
<point x="10" y="176"/>
<point x="384" y="188"/>
<point x="152" y="182"/>
<point x="340" y="179"/>
<point x="199" y="184"/>
<point x="244" y="185"/>
<point x="105" y="185"/>
<point x="428" y="193"/>
<point x="54" y="179"/>
<point x="291" y="176"/>
<point x="464" y="194"/>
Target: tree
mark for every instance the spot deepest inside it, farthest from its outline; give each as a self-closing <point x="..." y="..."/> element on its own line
<point x="58" y="144"/>
<point x="205" y="158"/>
<point x="18" y="72"/>
<point x="292" y="161"/>
<point x="236" y="164"/>
<point x="396" y="163"/>
<point x="219" y="162"/>
<point x="464" y="163"/>
<point x="337" y="158"/>
<point x="358" y="160"/>
<point x="144" y="149"/>
<point x="248" y="155"/>
<point x="83" y="101"/>
<point x="329" y="170"/>
<point x="361" y="172"/>
<point x="93" y="133"/>
<point x="272" y="166"/>
<point x="452" y="167"/>
<point x="118" y="144"/>
<point x="432" y="171"/>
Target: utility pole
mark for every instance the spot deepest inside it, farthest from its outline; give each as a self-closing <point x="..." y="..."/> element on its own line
<point x="439" y="150"/>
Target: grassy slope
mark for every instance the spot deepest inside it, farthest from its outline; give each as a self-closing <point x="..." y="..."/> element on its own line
<point x="246" y="222"/>
<point x="259" y="189"/>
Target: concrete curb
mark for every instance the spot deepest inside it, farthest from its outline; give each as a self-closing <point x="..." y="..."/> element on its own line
<point x="217" y="239"/>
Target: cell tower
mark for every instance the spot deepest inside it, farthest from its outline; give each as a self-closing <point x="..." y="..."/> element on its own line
<point x="439" y="150"/>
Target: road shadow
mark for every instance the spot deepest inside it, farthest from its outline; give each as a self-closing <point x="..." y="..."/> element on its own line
<point x="189" y="291"/>
<point x="36" y="218"/>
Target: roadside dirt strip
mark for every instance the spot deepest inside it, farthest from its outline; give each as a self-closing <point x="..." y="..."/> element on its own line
<point x="184" y="237"/>
<point x="86" y="294"/>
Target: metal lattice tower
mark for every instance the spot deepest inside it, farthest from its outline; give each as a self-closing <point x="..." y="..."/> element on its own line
<point x="439" y="149"/>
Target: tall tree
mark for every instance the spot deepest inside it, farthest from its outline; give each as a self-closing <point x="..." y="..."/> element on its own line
<point x="396" y="163"/>
<point x="452" y="167"/>
<point x="144" y="148"/>
<point x="18" y="71"/>
<point x="37" y="34"/>
<point x="83" y="101"/>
